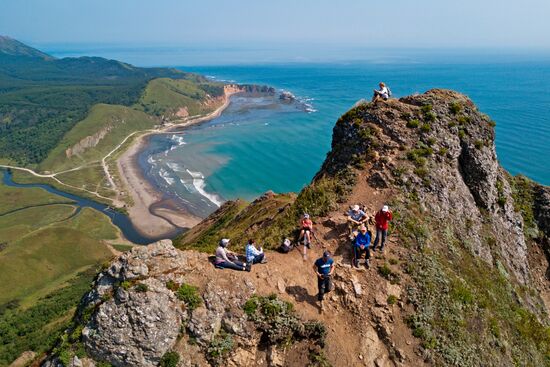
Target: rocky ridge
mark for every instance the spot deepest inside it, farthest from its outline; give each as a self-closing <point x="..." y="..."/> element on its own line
<point x="464" y="280"/>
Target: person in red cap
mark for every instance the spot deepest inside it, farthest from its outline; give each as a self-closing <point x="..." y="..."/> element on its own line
<point x="382" y="219"/>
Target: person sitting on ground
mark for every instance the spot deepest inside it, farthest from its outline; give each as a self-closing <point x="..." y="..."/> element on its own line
<point x="306" y="230"/>
<point x="324" y="268"/>
<point x="382" y="218"/>
<point x="360" y="245"/>
<point x="383" y="93"/>
<point x="356" y="218"/>
<point x="253" y="255"/>
<point x="228" y="259"/>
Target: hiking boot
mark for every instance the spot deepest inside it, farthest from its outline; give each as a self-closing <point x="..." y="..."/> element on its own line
<point x="248" y="267"/>
<point x="367" y="264"/>
<point x="264" y="261"/>
<point x="356" y="264"/>
<point x="321" y="306"/>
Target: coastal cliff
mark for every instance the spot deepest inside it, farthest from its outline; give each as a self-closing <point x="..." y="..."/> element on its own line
<point x="463" y="281"/>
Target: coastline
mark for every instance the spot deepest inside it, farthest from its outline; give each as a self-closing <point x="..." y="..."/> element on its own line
<point x="151" y="213"/>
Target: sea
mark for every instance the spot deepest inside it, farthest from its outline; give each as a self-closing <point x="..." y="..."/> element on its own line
<point x="260" y="144"/>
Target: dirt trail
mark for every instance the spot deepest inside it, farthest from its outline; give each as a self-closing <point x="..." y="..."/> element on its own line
<point x="358" y="325"/>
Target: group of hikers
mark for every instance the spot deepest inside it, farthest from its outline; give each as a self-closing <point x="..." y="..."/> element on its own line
<point x="359" y="235"/>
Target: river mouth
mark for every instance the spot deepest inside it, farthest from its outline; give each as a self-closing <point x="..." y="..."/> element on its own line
<point x="120" y="220"/>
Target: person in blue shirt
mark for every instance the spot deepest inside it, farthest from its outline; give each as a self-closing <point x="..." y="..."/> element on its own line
<point x="324" y="268"/>
<point x="253" y="255"/>
<point x="361" y="244"/>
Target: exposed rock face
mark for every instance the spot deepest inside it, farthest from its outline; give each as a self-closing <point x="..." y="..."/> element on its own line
<point x="135" y="328"/>
<point x="457" y="174"/>
<point x="88" y="142"/>
<point x="542" y="208"/>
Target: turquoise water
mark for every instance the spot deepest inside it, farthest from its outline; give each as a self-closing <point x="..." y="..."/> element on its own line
<point x="251" y="149"/>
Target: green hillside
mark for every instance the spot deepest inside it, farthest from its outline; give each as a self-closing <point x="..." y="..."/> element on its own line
<point x="42" y="98"/>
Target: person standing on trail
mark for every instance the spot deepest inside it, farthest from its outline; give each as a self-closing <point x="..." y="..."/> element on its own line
<point x="382" y="219"/>
<point x="253" y="255"/>
<point x="361" y="244"/>
<point x="228" y="259"/>
<point x="324" y="268"/>
<point x="356" y="218"/>
<point x="306" y="230"/>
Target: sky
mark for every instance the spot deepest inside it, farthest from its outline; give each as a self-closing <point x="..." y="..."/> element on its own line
<point x="300" y="24"/>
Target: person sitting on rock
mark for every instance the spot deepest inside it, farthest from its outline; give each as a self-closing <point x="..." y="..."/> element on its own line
<point x="228" y="259"/>
<point x="383" y="93"/>
<point x="382" y="219"/>
<point x="306" y="230"/>
<point x="324" y="268"/>
<point x="356" y="218"/>
<point x="361" y="244"/>
<point x="253" y="255"/>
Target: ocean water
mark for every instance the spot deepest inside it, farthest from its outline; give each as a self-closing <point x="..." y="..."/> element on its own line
<point x="257" y="145"/>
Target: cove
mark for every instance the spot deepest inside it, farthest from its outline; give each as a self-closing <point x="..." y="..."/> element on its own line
<point x="118" y="219"/>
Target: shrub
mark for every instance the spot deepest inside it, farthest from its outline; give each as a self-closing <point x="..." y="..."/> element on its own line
<point x="141" y="288"/>
<point x="492" y="123"/>
<point x="425" y="127"/>
<point x="431" y="141"/>
<point x="430" y="117"/>
<point x="126" y="284"/>
<point x="219" y="348"/>
<point x="170" y="359"/>
<point x="442" y="151"/>
<point x="413" y="124"/>
<point x="451" y="124"/>
<point x="190" y="295"/>
<point x="392" y="300"/>
<point x="173" y="286"/>
<point x="455" y="108"/>
<point x="426" y="108"/>
<point x="421" y="172"/>
<point x="478" y="144"/>
<point x="461" y="134"/>
<point x="463" y="120"/>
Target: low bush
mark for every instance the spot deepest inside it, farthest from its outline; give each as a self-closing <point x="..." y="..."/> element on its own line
<point x="413" y="124"/>
<point x="170" y="359"/>
<point x="190" y="295"/>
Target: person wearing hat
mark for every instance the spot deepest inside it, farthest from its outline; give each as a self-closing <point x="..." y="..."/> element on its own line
<point x="356" y="217"/>
<point x="324" y="268"/>
<point x="361" y="244"/>
<point x="306" y="229"/>
<point x="382" y="219"/>
<point x="228" y="259"/>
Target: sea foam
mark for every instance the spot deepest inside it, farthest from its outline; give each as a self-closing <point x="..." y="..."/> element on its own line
<point x="199" y="184"/>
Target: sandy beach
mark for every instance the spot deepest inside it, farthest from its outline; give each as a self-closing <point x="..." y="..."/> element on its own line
<point x="151" y="213"/>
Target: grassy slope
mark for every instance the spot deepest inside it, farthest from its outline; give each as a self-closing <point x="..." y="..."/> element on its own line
<point x="42" y="257"/>
<point x="12" y="198"/>
<point x="120" y="120"/>
<point x="165" y="96"/>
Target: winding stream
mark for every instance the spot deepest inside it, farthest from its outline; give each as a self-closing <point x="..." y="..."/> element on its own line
<point x="118" y="219"/>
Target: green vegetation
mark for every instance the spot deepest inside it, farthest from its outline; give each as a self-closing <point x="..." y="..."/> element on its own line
<point x="50" y="255"/>
<point x="190" y="295"/>
<point x="466" y="311"/>
<point x="278" y="322"/>
<point x="170" y="359"/>
<point x="164" y="97"/>
<point x="37" y="327"/>
<point x="455" y="108"/>
<point x="413" y="124"/>
<point x="141" y="288"/>
<point x="14" y="198"/>
<point x="522" y="192"/>
<point x="112" y="121"/>
<point x="219" y="348"/>
<point x="392" y="300"/>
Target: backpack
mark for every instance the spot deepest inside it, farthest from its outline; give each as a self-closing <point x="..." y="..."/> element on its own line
<point x="389" y="91"/>
<point x="286" y="246"/>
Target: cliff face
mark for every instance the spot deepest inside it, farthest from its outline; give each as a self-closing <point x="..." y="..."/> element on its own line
<point x="463" y="280"/>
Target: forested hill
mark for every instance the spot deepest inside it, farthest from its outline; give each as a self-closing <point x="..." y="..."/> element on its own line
<point x="42" y="97"/>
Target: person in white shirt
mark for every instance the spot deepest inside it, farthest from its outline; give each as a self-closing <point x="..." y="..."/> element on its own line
<point x="383" y="93"/>
<point x="228" y="259"/>
<point x="253" y="255"/>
